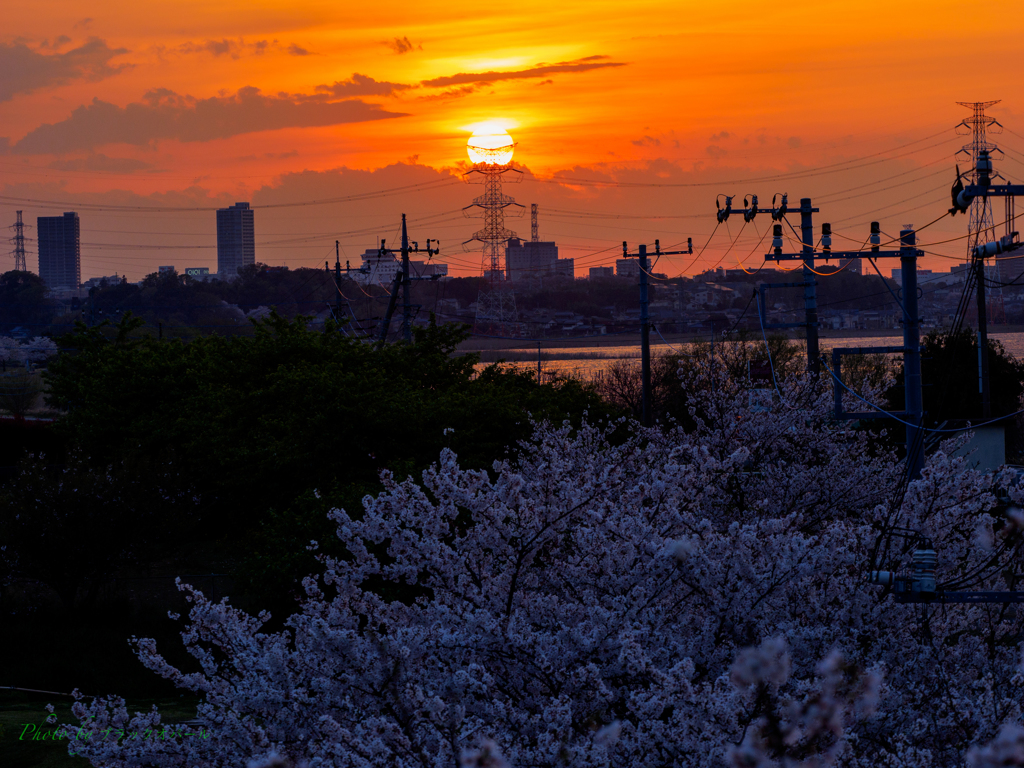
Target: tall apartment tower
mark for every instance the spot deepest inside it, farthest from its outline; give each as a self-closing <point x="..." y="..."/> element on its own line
<point x="60" y="251"/>
<point x="236" y="240"/>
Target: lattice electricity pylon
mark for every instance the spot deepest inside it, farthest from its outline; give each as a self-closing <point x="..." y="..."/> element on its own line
<point x="20" y="263"/>
<point x="982" y="241"/>
<point x="976" y="126"/>
<point x="496" y="305"/>
<point x="496" y="309"/>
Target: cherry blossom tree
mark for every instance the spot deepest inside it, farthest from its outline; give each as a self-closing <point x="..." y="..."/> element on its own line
<point x="675" y="598"/>
<point x="26" y="352"/>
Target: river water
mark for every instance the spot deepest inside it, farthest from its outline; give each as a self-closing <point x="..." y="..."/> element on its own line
<point x="588" y="361"/>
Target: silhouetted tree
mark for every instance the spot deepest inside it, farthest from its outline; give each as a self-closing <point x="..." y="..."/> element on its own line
<point x="23" y="301"/>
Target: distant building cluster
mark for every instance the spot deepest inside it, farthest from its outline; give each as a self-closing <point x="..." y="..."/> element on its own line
<point x="195" y="273"/>
<point x="60" y="250"/>
<point x="854" y="266"/>
<point x="627" y="268"/>
<point x="535" y="260"/>
<point x="102" y="282"/>
<point x="718" y="296"/>
<point x="377" y="268"/>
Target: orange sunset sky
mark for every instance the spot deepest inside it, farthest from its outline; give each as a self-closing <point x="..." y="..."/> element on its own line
<point x="630" y="119"/>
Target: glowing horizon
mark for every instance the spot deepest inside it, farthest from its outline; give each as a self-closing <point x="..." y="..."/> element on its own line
<point x="285" y="103"/>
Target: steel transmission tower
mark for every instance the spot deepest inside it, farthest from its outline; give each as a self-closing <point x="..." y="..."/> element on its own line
<point x="534" y="230"/>
<point x="979" y="150"/>
<point x="492" y="155"/>
<point x="20" y="264"/>
<point x="975" y="126"/>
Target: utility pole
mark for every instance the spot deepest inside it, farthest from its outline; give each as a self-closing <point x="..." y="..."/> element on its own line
<point x="647" y="415"/>
<point x="392" y="302"/>
<point x="404" y="280"/>
<point x="645" y="341"/>
<point x="810" y="287"/>
<point x="913" y="412"/>
<point x="806" y="255"/>
<point x="337" y="281"/>
<point x="406" y="287"/>
<point x="913" y="398"/>
<point x="983" y="380"/>
<point x="337" y="310"/>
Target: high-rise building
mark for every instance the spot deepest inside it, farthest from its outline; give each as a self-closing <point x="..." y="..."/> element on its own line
<point x="599" y="272"/>
<point x="236" y="240"/>
<point x="60" y="251"/>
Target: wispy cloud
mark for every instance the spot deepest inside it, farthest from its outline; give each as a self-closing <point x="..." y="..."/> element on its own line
<point x="647" y="141"/>
<point x="361" y="85"/>
<point x="223" y="47"/>
<point x="402" y="45"/>
<point x="58" y="42"/>
<point x="235" y="48"/>
<point x="451" y="93"/>
<point x="542" y="70"/>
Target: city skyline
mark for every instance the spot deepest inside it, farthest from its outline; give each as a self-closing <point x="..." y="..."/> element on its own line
<point x="127" y="111"/>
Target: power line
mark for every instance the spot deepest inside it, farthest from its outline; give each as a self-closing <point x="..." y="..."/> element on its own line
<point x="83" y="206"/>
<point x="845" y="165"/>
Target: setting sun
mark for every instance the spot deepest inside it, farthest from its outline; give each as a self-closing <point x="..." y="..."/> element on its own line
<point x="490" y="144"/>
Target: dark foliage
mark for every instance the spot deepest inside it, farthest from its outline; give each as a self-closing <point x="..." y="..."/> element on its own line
<point x="23" y="302"/>
<point x="258" y="423"/>
<point x="949" y="367"/>
<point x="74" y="526"/>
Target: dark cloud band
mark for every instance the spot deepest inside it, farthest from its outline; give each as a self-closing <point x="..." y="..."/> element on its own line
<point x="163" y="114"/>
<point x="25" y="70"/>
